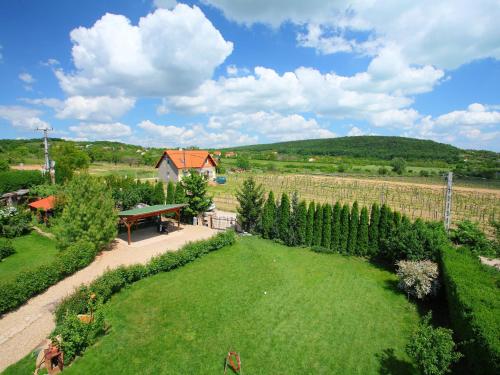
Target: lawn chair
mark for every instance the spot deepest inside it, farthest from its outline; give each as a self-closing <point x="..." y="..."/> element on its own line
<point x="233" y="360"/>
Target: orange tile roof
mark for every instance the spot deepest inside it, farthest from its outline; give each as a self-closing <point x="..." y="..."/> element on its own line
<point x="45" y="204"/>
<point x="186" y="159"/>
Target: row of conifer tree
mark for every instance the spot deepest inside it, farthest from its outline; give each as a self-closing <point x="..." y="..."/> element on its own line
<point x="338" y="228"/>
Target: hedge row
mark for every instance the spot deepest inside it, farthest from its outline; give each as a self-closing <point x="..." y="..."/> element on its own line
<point x="15" y="180"/>
<point x="6" y="248"/>
<point x="115" y="280"/>
<point x="30" y="283"/>
<point x="474" y="302"/>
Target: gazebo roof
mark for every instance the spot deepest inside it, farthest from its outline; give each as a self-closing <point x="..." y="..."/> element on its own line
<point x="150" y="210"/>
<point x="45" y="204"/>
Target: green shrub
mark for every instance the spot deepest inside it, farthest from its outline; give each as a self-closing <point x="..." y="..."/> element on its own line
<point x="335" y="242"/>
<point x="326" y="238"/>
<point x="15" y="180"/>
<point x="318" y="225"/>
<point x="302" y="223"/>
<point x="373" y="236"/>
<point x="269" y="216"/>
<point x="310" y="223"/>
<point x="344" y="229"/>
<point x="362" y="243"/>
<point x="170" y="193"/>
<point x="14" y="222"/>
<point x="6" y="248"/>
<point x="468" y="233"/>
<point x="353" y="229"/>
<point x="284" y="218"/>
<point x="474" y="303"/>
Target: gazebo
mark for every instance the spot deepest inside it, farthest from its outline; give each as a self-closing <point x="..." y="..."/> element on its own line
<point x="43" y="207"/>
<point x="130" y="217"/>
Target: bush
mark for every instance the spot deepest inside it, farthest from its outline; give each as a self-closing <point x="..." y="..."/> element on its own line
<point x="15" y="180"/>
<point x="432" y="349"/>
<point x="14" y="222"/>
<point x="472" y="295"/>
<point x="419" y="278"/>
<point x="468" y="233"/>
<point x="6" y="248"/>
<point x="383" y="171"/>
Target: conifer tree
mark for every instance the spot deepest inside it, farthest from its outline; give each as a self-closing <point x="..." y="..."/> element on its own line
<point x="335" y="243"/>
<point x="180" y="194"/>
<point x="384" y="226"/>
<point x="405" y="220"/>
<point x="293" y="235"/>
<point x="250" y="198"/>
<point x="396" y="218"/>
<point x="353" y="229"/>
<point x="170" y="192"/>
<point x="301" y="223"/>
<point x="318" y="225"/>
<point x="310" y="223"/>
<point x="373" y="236"/>
<point x="197" y="198"/>
<point x="326" y="238"/>
<point x="284" y="218"/>
<point x="344" y="229"/>
<point x="363" y="232"/>
<point x="158" y="194"/>
<point x="269" y="216"/>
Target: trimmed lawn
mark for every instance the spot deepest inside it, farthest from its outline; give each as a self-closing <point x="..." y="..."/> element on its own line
<point x="32" y="250"/>
<point x="285" y="310"/>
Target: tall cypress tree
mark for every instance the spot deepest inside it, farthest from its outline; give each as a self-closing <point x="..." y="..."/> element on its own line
<point x="405" y="220"/>
<point x="180" y="194"/>
<point x="293" y="235"/>
<point x="326" y="238"/>
<point x="344" y="229"/>
<point x="353" y="229"/>
<point x="335" y="243"/>
<point x="363" y="232"/>
<point x="373" y="237"/>
<point x="170" y="192"/>
<point x="310" y="223"/>
<point x="396" y="218"/>
<point x="158" y="194"/>
<point x="250" y="198"/>
<point x="301" y="223"/>
<point x="284" y="218"/>
<point x="268" y="216"/>
<point x="384" y="226"/>
<point x="318" y="225"/>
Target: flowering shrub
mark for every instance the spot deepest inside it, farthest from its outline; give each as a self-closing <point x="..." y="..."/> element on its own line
<point x="418" y="278"/>
<point x="13" y="222"/>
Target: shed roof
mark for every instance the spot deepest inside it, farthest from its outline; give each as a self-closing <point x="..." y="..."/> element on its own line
<point x="157" y="208"/>
<point x="45" y="204"/>
<point x="186" y="159"/>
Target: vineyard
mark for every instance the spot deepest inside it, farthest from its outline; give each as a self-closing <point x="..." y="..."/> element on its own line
<point x="414" y="200"/>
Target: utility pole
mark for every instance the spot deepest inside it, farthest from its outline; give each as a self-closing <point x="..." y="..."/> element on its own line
<point x="447" y="204"/>
<point x="48" y="163"/>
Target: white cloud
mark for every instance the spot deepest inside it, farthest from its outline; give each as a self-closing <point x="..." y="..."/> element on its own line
<point x="233" y="71"/>
<point x="27" y="78"/>
<point x="396" y="118"/>
<point x="355" y="132"/>
<point x="22" y="117"/>
<point x="169" y="52"/>
<point x="166" y="4"/>
<point x="115" y="130"/>
<point x="99" y="108"/>
<point x="445" y="33"/>
<point x="50" y="62"/>
<point x="475" y="115"/>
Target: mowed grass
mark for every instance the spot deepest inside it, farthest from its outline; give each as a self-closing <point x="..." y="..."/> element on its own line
<point x="286" y="311"/>
<point x="32" y="250"/>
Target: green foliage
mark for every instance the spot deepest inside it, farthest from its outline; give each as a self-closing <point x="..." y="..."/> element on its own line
<point x="242" y="162"/>
<point x="69" y="159"/>
<point x="472" y="296"/>
<point x="398" y="165"/>
<point x="127" y="192"/>
<point x="301" y="223"/>
<point x="158" y="194"/>
<point x="418" y="278"/>
<point x="326" y="238"/>
<point x="335" y="242"/>
<point x="89" y="213"/>
<point x="383" y="171"/>
<point x="195" y="186"/>
<point x="6" y="248"/>
<point x="293" y="238"/>
<point x="15" y="180"/>
<point x="284" y="218"/>
<point x="4" y="165"/>
<point x="373" y="235"/>
<point x="269" y="216"/>
<point x="310" y="223"/>
<point x="384" y="225"/>
<point x="14" y="222"/>
<point x="180" y="194"/>
<point x="468" y="233"/>
<point x="432" y="349"/>
<point x="362" y="243"/>
<point x="344" y="229"/>
<point x="170" y="192"/>
<point x="250" y="199"/>
<point x="353" y="230"/>
<point x="318" y="226"/>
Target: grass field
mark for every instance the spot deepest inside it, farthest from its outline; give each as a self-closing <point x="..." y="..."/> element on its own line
<point x="120" y="169"/>
<point x="32" y="250"/>
<point x="415" y="199"/>
<point x="287" y="311"/>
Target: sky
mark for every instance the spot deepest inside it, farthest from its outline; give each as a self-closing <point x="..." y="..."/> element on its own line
<point x="220" y="73"/>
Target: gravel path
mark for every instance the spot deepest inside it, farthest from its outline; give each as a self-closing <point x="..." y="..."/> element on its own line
<point x="21" y="331"/>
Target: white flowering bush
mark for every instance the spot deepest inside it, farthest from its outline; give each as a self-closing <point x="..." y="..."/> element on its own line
<point x="418" y="278"/>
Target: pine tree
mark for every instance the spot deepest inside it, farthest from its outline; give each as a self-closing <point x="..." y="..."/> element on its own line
<point x="344" y="229"/>
<point x="197" y="198"/>
<point x="353" y="230"/>
<point x="405" y="220"/>
<point x="301" y="223"/>
<point x="269" y="216"/>
<point x="335" y="243"/>
<point x="180" y="194"/>
<point x="292" y="239"/>
<point x="373" y="236"/>
<point x="158" y="193"/>
<point x="170" y="192"/>
<point x="310" y="224"/>
<point x="318" y="225"/>
<point x="363" y="232"/>
<point x="250" y="199"/>
<point x="326" y="238"/>
<point x="284" y="218"/>
<point x="396" y="218"/>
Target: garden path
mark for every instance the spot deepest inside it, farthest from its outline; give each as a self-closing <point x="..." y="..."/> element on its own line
<point x="24" y="329"/>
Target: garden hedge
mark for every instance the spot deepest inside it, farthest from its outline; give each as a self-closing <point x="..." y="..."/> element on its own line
<point x="472" y="291"/>
<point x="15" y="180"/>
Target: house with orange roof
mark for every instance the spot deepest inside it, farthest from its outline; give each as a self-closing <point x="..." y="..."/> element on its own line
<point x="175" y="164"/>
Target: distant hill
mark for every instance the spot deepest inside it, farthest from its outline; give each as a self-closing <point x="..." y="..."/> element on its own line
<point x="367" y="147"/>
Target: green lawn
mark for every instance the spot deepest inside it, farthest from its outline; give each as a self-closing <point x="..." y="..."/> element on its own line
<point x="287" y="311"/>
<point x="32" y="250"/>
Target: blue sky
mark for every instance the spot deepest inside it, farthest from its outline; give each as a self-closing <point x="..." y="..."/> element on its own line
<point x="226" y="72"/>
